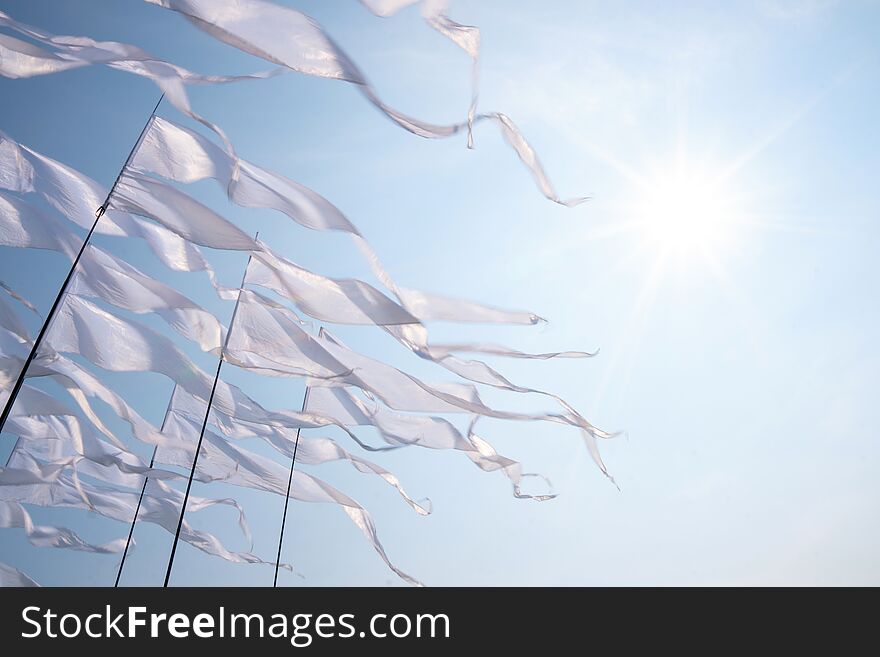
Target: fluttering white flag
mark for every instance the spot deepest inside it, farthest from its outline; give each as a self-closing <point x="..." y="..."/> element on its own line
<point x="82" y="385"/>
<point x="22" y="224"/>
<point x="160" y="505"/>
<point x="290" y="351"/>
<point x="10" y="576"/>
<point x="58" y="435"/>
<point x="341" y="301"/>
<point x="121" y="344"/>
<point x="186" y="410"/>
<point x="77" y="197"/>
<point x="223" y="461"/>
<point x="285" y="36"/>
<point x="419" y="430"/>
<point x="106" y="277"/>
<point x="179" y="213"/>
<point x="19" y="59"/>
<point x="14" y="515"/>
<point x="11" y="322"/>
<point x="181" y="155"/>
<point x="466" y="37"/>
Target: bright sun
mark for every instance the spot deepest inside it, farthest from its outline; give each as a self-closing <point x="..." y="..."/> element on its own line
<point x="684" y="214"/>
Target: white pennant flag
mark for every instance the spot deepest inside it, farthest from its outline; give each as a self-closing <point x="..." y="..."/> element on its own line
<point x="285" y="36"/>
<point x="77" y="197"/>
<point x="19" y="59"/>
<point x="104" y="276"/>
<point x="232" y="465"/>
<point x="182" y="155"/>
<point x="160" y="506"/>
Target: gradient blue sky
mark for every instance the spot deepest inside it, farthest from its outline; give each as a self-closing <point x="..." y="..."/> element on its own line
<point x="739" y="363"/>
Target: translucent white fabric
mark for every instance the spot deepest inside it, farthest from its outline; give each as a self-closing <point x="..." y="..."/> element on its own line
<point x="10" y="576"/>
<point x="104" y="276"/>
<point x="285" y="36"/>
<point x="181" y="155"/>
<point x="224" y="461"/>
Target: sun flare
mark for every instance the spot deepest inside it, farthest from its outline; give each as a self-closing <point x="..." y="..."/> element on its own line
<point x="683" y="214"/>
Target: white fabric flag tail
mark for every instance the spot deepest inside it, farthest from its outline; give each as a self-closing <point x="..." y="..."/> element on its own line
<point x="307" y="488"/>
<point x="57" y="434"/>
<point x="10" y="576"/>
<point x="10" y="321"/>
<point x="19" y="59"/>
<point x="466" y="37"/>
<point x="179" y="213"/>
<point x="104" y="276"/>
<point x="422" y="431"/>
<point x="13" y="515"/>
<point x="77" y="197"/>
<point x="403" y="391"/>
<point x="236" y="415"/>
<point x="24" y="302"/>
<point x="309" y="450"/>
<point x="122" y="345"/>
<point x="276" y="344"/>
<point x="179" y="154"/>
<point x="232" y="465"/>
<point x="160" y="507"/>
<point x="285" y="36"/>
<point x="415" y="337"/>
<point x="82" y="385"/>
<point x="27" y="226"/>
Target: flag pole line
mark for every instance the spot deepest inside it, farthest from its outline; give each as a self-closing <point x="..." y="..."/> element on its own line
<point x="12" y="453"/>
<point x="205" y="421"/>
<point x="287" y="497"/>
<point x="62" y="293"/>
<point x="143" y="490"/>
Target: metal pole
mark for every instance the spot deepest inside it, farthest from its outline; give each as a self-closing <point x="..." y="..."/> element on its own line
<point x="62" y="292"/>
<point x="18" y="440"/>
<point x="205" y="422"/>
<point x="287" y="498"/>
<point x="143" y="490"/>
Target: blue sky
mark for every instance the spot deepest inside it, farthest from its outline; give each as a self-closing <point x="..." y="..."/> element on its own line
<point x="725" y="267"/>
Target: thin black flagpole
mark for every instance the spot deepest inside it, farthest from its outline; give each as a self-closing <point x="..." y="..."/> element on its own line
<point x="192" y="471"/>
<point x="287" y="498"/>
<point x="18" y="440"/>
<point x="143" y="490"/>
<point x="62" y="292"/>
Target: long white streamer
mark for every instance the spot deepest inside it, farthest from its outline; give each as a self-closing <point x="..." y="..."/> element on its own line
<point x="232" y="465"/>
<point x="105" y="276"/>
<point x="181" y="155"/>
<point x="285" y="36"/>
<point x="287" y="350"/>
<point x="466" y="37"/>
<point x="309" y="450"/>
<point x="19" y="59"/>
<point x="14" y="515"/>
<point x="419" y="430"/>
<point x="160" y="506"/>
<point x="24" y="225"/>
<point x="77" y="196"/>
<point x="123" y="345"/>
